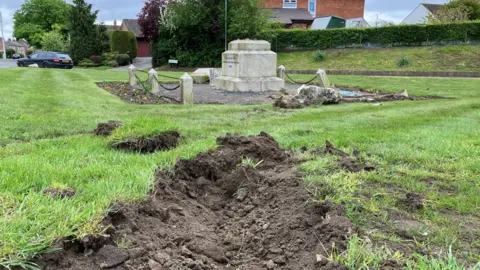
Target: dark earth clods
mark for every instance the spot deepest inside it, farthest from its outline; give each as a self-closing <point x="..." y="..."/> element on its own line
<point x="347" y="162"/>
<point x="217" y="212"/>
<point x="59" y="193"/>
<point x="106" y="129"/>
<point x="161" y="142"/>
<point x="412" y="201"/>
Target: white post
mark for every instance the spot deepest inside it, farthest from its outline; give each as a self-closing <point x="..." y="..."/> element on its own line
<point x="131" y="75"/>
<point x="281" y="72"/>
<point x="322" y="76"/>
<point x="3" y="38"/>
<point x="153" y="79"/>
<point x="186" y="89"/>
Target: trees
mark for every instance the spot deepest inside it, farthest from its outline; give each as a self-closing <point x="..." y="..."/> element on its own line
<point x="457" y="11"/>
<point x="103" y="38"/>
<point x="83" y="31"/>
<point x="192" y="31"/>
<point x="36" y="17"/>
<point x="54" y="41"/>
<point x="473" y="7"/>
<point x="149" y="18"/>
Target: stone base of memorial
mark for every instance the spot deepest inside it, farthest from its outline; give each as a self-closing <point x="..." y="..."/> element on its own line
<point x="249" y="65"/>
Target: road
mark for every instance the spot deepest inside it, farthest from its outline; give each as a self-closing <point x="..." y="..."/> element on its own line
<point x="8" y="63"/>
<point x="140" y="63"/>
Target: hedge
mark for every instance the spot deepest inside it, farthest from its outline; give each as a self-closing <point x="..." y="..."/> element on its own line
<point x="134" y="44"/>
<point x="389" y="36"/>
<point x="123" y="42"/>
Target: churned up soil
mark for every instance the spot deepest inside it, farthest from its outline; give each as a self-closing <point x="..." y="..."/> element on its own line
<point x="242" y="206"/>
<point x="164" y="141"/>
<point x="106" y="129"/>
<point x="347" y="162"/>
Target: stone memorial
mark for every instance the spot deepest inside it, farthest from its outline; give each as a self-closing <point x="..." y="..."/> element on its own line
<point x="249" y="65"/>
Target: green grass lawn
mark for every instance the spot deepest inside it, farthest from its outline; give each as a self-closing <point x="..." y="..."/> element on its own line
<point x="45" y="141"/>
<point x="448" y="58"/>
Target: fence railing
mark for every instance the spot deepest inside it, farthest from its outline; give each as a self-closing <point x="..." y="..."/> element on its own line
<point x="153" y="85"/>
<point x="321" y="75"/>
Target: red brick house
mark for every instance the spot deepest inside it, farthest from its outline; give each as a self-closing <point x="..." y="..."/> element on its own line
<point x="143" y="45"/>
<point x="284" y="10"/>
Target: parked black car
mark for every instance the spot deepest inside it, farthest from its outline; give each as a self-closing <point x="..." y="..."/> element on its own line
<point x="47" y="60"/>
<point x="16" y="56"/>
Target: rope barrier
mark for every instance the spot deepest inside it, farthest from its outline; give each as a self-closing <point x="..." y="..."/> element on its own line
<point x="144" y="83"/>
<point x="166" y="88"/>
<point x="290" y="78"/>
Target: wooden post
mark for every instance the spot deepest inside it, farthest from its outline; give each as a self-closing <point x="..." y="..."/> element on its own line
<point x="186" y="89"/>
<point x="281" y="72"/>
<point x="153" y="81"/>
<point x="131" y="75"/>
<point x="322" y="76"/>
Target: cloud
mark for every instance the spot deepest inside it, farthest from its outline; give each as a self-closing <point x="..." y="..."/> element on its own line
<point x="393" y="16"/>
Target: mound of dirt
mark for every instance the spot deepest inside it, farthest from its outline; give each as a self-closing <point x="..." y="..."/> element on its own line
<point x="106" y="129"/>
<point x="412" y="201"/>
<point x="215" y="212"/>
<point x="61" y="193"/>
<point x="160" y="142"/>
<point x="348" y="163"/>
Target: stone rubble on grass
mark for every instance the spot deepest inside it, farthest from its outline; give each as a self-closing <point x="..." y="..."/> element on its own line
<point x="315" y="95"/>
<point x="309" y="95"/>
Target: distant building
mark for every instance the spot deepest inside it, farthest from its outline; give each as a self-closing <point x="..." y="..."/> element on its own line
<point x="329" y="22"/>
<point x="19" y="46"/>
<point x="356" y="23"/>
<point x="306" y="13"/>
<point x="143" y="45"/>
<point x="420" y="14"/>
<point x="293" y="18"/>
<point x="347" y="9"/>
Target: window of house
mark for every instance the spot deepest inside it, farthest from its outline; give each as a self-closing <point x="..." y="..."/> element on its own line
<point x="289" y="3"/>
<point x="311" y="6"/>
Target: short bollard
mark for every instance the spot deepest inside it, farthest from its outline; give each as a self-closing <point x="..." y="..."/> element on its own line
<point x="153" y="81"/>
<point x="281" y="72"/>
<point x="322" y="76"/>
<point x="131" y="75"/>
<point x="186" y="89"/>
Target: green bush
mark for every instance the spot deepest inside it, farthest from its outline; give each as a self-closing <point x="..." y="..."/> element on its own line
<point x="109" y="56"/>
<point x="319" y="56"/>
<point x="134" y="45"/>
<point x="30" y="52"/>
<point x="87" y="63"/>
<point x="1" y="54"/>
<point x="10" y="52"/>
<point x="112" y="63"/>
<point x="404" y="62"/>
<point x="193" y="31"/>
<point x="389" y="36"/>
<point x="123" y="42"/>
<point x="122" y="59"/>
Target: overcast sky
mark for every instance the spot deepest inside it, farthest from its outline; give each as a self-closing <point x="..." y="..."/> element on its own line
<point x="110" y="10"/>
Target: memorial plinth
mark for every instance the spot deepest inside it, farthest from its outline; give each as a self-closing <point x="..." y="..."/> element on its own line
<point x="249" y="65"/>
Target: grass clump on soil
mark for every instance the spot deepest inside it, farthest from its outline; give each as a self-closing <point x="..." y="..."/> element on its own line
<point x="145" y="135"/>
<point x="429" y="147"/>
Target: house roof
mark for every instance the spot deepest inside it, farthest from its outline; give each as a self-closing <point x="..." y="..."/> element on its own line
<point x="132" y="25"/>
<point x="356" y="22"/>
<point x="287" y="15"/>
<point x="433" y="8"/>
<point x="112" y="27"/>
